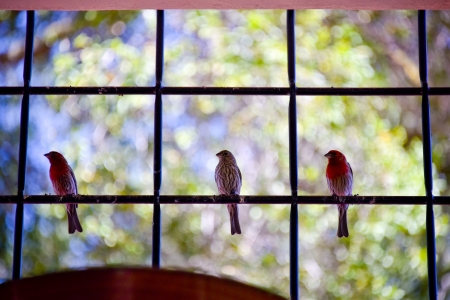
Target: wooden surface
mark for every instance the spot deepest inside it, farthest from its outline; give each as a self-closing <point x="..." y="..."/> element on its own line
<point x="221" y="4"/>
<point x="129" y="284"/>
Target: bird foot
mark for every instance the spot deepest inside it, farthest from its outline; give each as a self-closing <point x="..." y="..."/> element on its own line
<point x="220" y="195"/>
<point x="339" y="198"/>
<point x="241" y="199"/>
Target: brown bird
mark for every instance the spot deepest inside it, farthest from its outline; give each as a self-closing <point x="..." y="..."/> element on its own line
<point x="229" y="181"/>
<point x="64" y="183"/>
<point x="340" y="183"/>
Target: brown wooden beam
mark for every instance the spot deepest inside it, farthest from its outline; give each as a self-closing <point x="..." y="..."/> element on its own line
<point x="222" y="4"/>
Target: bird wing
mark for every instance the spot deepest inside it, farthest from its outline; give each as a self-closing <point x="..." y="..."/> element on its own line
<point x="240" y="175"/>
<point x="351" y="178"/>
<point x="74" y="180"/>
<point x="240" y="179"/>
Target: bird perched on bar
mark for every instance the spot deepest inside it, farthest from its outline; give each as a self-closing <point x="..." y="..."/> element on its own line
<point x="229" y="181"/>
<point x="64" y="183"/>
<point x="340" y="182"/>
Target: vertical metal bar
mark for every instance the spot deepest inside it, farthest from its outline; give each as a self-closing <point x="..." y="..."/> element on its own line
<point x="427" y="159"/>
<point x="24" y="115"/>
<point x="157" y="162"/>
<point x="293" y="163"/>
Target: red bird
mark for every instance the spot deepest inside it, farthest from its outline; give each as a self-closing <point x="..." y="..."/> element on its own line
<point x="64" y="183"/>
<point x="340" y="182"/>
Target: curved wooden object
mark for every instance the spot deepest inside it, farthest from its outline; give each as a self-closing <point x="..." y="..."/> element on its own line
<point x="130" y="284"/>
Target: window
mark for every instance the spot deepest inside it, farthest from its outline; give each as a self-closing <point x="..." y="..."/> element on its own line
<point x="137" y="146"/>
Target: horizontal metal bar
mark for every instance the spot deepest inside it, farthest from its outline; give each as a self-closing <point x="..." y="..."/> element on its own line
<point x="81" y="90"/>
<point x="212" y="199"/>
<point x="262" y="91"/>
<point x="144" y="91"/>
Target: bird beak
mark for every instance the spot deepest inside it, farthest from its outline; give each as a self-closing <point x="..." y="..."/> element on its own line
<point x="217" y="154"/>
<point x="46" y="154"/>
<point x="328" y="155"/>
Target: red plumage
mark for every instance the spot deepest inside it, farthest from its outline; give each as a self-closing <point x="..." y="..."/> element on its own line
<point x="229" y="180"/>
<point x="340" y="183"/>
<point x="64" y="183"/>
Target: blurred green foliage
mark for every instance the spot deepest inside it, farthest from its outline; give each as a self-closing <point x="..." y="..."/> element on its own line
<point x="108" y="141"/>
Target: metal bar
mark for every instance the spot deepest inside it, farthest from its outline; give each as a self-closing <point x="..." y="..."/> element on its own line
<point x="427" y="159"/>
<point x="293" y="161"/>
<point x="244" y="91"/>
<point x="211" y="199"/>
<point x="79" y="90"/>
<point x="24" y="116"/>
<point x="157" y="163"/>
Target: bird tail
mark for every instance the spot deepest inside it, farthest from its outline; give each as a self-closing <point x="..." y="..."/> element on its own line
<point x="72" y="218"/>
<point x="342" y="228"/>
<point x="234" y="218"/>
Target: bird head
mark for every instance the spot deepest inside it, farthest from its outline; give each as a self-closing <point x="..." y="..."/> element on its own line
<point x="225" y="155"/>
<point x="55" y="157"/>
<point x="335" y="156"/>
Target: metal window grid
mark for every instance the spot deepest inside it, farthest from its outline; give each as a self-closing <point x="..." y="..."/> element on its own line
<point x="292" y="91"/>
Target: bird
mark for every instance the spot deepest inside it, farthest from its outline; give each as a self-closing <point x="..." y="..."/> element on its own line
<point x="229" y="180"/>
<point x="64" y="183"/>
<point x="339" y="175"/>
